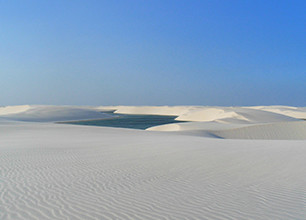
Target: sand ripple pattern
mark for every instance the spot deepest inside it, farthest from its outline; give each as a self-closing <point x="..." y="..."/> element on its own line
<point x="74" y="172"/>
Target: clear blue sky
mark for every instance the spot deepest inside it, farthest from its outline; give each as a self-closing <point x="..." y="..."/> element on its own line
<point x="153" y="52"/>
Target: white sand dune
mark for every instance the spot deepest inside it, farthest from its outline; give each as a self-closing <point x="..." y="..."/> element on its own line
<point x="237" y="114"/>
<point x="51" y="171"/>
<point x="13" y="109"/>
<point x="149" y="110"/>
<point x="285" y="110"/>
<point x="58" y="171"/>
<point x="50" y="113"/>
<point x="273" y="131"/>
<point x="254" y="114"/>
<point x="224" y="122"/>
<point x="198" y="126"/>
<point x="295" y="130"/>
<point x="239" y="123"/>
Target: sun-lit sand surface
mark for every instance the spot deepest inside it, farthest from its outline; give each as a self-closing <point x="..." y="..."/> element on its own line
<point x="202" y="169"/>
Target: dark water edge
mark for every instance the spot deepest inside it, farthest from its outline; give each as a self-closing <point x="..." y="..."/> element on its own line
<point x="129" y="121"/>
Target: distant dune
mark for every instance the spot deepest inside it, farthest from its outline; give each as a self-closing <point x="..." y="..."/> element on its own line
<point x="257" y="122"/>
<point x="8" y="110"/>
<point x="40" y="113"/>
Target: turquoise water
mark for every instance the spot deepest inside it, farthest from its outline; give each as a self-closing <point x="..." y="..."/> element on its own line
<point x="129" y="121"/>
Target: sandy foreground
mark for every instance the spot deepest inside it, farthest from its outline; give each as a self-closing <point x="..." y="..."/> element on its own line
<point x="215" y="167"/>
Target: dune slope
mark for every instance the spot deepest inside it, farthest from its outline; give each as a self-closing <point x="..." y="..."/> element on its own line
<point x="51" y="171"/>
<point x="50" y="113"/>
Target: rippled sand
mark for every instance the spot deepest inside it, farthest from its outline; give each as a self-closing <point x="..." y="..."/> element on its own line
<point x="179" y="171"/>
<point x="51" y="171"/>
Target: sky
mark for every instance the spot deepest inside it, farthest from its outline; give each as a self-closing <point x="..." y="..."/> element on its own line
<point x="153" y="52"/>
